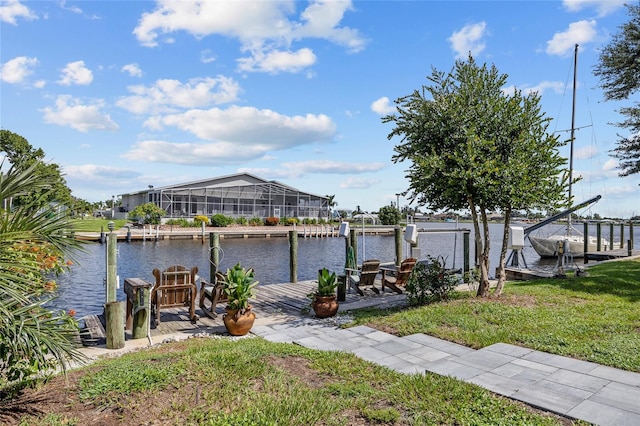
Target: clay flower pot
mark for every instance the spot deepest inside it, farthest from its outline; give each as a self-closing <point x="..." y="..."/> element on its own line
<point x="237" y="323"/>
<point x="325" y="306"/>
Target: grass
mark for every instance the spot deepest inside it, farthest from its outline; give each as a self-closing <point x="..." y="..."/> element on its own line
<point x="91" y="224"/>
<point x="595" y="318"/>
<point x="255" y="382"/>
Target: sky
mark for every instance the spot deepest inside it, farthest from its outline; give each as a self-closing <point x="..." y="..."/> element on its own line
<point x="127" y="94"/>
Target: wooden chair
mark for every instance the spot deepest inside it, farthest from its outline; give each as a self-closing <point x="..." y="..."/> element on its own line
<point x="175" y="286"/>
<point x="212" y="292"/>
<point x="401" y="276"/>
<point x="365" y="276"/>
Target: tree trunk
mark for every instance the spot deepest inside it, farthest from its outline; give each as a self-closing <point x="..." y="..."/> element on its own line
<point x="483" y="288"/>
<point x="483" y="285"/>
<point x="503" y="254"/>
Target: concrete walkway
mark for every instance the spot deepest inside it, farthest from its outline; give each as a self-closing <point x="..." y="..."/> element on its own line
<point x="573" y="388"/>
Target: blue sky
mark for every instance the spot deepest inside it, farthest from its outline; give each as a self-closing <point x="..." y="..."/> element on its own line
<point x="126" y="94"/>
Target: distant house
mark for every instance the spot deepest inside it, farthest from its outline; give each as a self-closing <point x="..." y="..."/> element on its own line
<point x="238" y="195"/>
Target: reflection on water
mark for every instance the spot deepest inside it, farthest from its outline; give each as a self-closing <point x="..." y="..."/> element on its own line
<point x="83" y="288"/>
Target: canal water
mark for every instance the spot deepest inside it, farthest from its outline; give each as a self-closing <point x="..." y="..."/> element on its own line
<point x="83" y="289"/>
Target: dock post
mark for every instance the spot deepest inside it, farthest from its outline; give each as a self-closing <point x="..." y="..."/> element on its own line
<point x="293" y="256"/>
<point x="214" y="255"/>
<point x="101" y="234"/>
<point x="397" y="233"/>
<point x="465" y="256"/>
<point x="611" y="236"/>
<point x="128" y="234"/>
<point x="353" y="241"/>
<point x="114" y="316"/>
<point x="622" y="234"/>
<point x="598" y="235"/>
<point x="585" y="243"/>
<point x="112" y="267"/>
<point x="631" y="234"/>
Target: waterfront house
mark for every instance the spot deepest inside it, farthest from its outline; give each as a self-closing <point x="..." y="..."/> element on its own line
<point x="237" y="195"/>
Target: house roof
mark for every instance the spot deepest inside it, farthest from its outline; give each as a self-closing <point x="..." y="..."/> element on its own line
<point x="237" y="179"/>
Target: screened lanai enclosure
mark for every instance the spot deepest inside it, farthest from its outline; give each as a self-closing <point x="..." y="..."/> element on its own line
<point x="240" y="195"/>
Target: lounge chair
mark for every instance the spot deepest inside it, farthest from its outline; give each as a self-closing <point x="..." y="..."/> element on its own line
<point x="214" y="293"/>
<point x="175" y="286"/>
<point x="364" y="277"/>
<point x="401" y="276"/>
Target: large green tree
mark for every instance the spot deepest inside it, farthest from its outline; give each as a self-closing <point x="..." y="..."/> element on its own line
<point x="619" y="72"/>
<point x="34" y="243"/>
<point x="20" y="153"/>
<point x="472" y="146"/>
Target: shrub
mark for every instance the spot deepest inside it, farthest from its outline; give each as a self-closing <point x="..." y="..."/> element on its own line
<point x="271" y="221"/>
<point x="255" y="221"/>
<point x="199" y="220"/>
<point x="430" y="281"/>
<point x="241" y="220"/>
<point x="292" y="220"/>
<point x="182" y="222"/>
<point x="389" y="215"/>
<point x="220" y="221"/>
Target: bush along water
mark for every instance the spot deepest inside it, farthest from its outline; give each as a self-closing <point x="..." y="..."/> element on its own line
<point x="430" y="282"/>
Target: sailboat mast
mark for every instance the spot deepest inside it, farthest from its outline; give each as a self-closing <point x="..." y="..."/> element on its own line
<point x="573" y="127"/>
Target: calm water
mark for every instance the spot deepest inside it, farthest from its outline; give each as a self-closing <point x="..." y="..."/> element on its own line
<point x="83" y="288"/>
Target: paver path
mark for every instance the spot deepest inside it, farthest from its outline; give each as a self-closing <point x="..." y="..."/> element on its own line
<point x="573" y="388"/>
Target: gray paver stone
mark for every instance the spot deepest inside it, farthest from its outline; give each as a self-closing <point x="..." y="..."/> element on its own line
<point x="605" y="415"/>
<point x="619" y="395"/>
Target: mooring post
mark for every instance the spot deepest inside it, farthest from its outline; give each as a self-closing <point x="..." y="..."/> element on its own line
<point x="598" y="236"/>
<point x="101" y="234"/>
<point x="622" y="234"/>
<point x="214" y="255"/>
<point x="397" y="233"/>
<point x="631" y="234"/>
<point x="353" y="240"/>
<point x="465" y="256"/>
<point x="112" y="267"/>
<point x="611" y="236"/>
<point x="293" y="256"/>
<point x="113" y="310"/>
<point x="128" y="234"/>
<point x="585" y="242"/>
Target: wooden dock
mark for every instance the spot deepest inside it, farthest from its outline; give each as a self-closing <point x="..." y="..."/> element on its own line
<point x="273" y="303"/>
<point x="600" y="256"/>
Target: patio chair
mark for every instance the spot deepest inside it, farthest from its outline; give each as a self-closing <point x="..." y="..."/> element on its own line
<point x="175" y="286"/>
<point x="213" y="293"/>
<point x="401" y="276"/>
<point x="364" y="277"/>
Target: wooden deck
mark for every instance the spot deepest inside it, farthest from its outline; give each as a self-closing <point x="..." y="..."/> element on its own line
<point x="273" y="303"/>
<point x="599" y="256"/>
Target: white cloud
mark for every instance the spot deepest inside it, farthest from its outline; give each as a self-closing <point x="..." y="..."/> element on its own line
<point x="277" y="61"/>
<point x="245" y="127"/>
<point x="218" y="153"/>
<point x="133" y="70"/>
<point x="579" y="32"/>
<point x="586" y="152"/>
<point x="71" y="112"/>
<point x="206" y="56"/>
<point x="610" y="164"/>
<point x="12" y="9"/>
<point x="15" y="70"/>
<point x="167" y="95"/>
<point x="358" y="183"/>
<point x="93" y="172"/>
<point x="603" y="7"/>
<point x="543" y="86"/>
<point x="468" y="40"/>
<point x="76" y="73"/>
<point x="264" y="30"/>
<point x="297" y="169"/>
<point x="383" y="106"/>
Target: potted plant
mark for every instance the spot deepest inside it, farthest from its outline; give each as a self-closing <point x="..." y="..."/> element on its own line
<point x="238" y="285"/>
<point x="325" y="303"/>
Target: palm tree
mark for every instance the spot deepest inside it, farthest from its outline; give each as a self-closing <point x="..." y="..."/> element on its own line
<point x="33" y="244"/>
<point x="331" y="203"/>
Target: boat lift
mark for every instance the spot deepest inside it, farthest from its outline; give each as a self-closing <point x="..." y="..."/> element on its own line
<point x="517" y="246"/>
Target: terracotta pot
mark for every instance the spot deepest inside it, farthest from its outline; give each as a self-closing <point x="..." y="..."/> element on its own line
<point x="238" y="324"/>
<point x="325" y="306"/>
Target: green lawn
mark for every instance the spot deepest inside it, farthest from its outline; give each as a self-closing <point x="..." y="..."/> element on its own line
<point x="91" y="224"/>
<point x="595" y="318"/>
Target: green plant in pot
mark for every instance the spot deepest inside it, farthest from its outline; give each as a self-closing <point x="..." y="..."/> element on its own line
<point x="325" y="303"/>
<point x="238" y="284"/>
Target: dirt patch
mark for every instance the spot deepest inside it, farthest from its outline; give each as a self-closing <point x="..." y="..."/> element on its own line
<point x="298" y="367"/>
